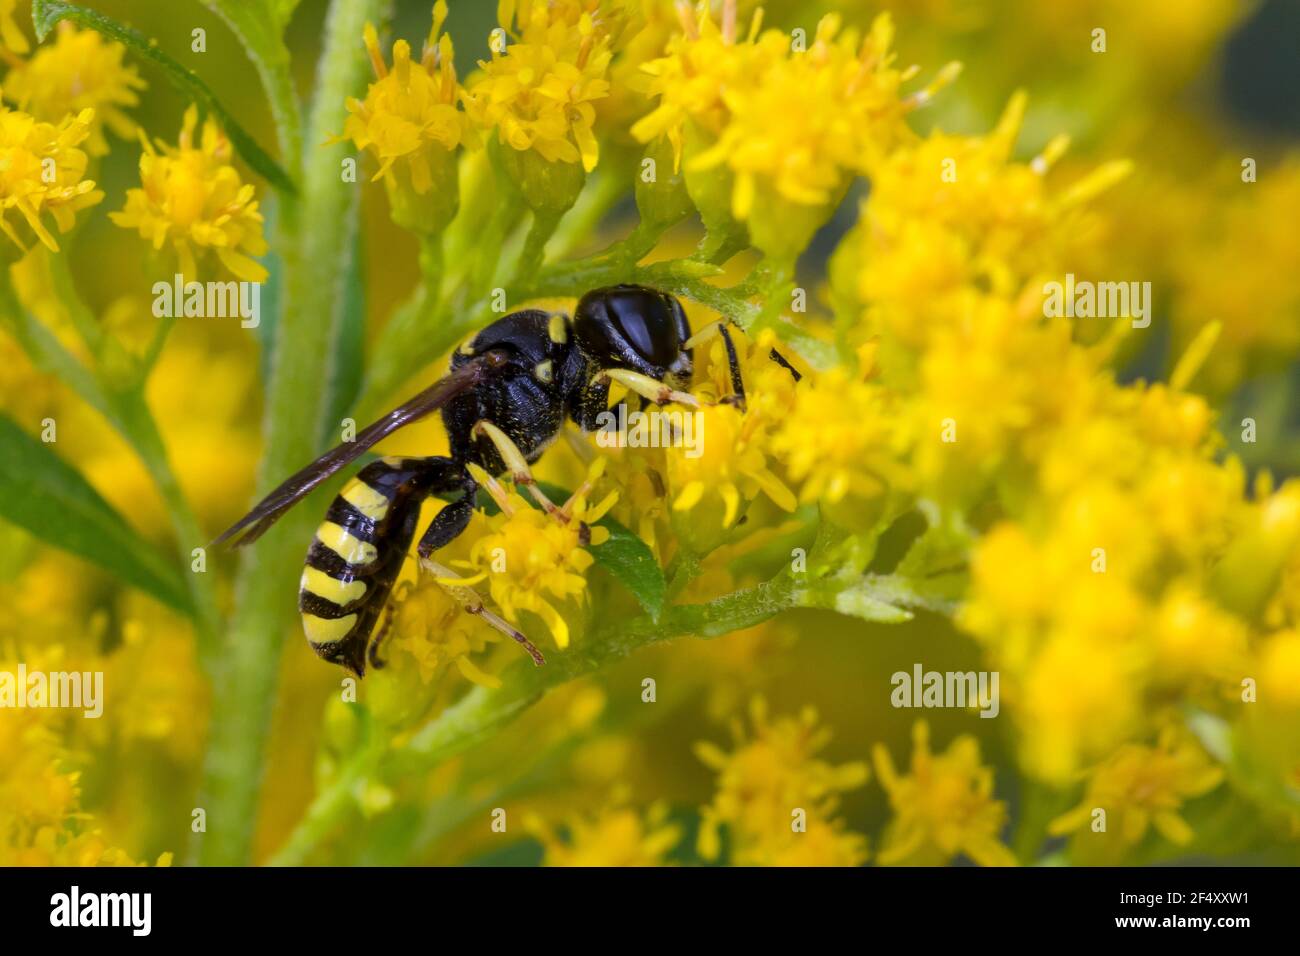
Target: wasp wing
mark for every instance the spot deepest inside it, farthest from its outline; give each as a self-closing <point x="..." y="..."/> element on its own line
<point x="254" y="524"/>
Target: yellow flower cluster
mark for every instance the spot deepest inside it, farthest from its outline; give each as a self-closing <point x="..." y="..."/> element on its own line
<point x="434" y="629"/>
<point x="943" y="808"/>
<point x="412" y="124"/>
<point x="734" y="465"/>
<point x="790" y="119"/>
<point x="44" y="171"/>
<point x="193" y="200"/>
<point x="612" y="836"/>
<point x="539" y="89"/>
<point x="79" y="71"/>
<point x="1138" y="787"/>
<point x="530" y="560"/>
<point x="953" y="218"/>
<point x="777" y="799"/>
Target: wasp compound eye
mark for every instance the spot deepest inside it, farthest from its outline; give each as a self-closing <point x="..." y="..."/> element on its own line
<point x="625" y="319"/>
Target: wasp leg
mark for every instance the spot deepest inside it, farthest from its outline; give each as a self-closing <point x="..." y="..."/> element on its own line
<point x="390" y="613"/>
<point x="520" y="472"/>
<point x="473" y="604"/>
<point x="733" y="363"/>
<point x="658" y="392"/>
<point x="449" y="522"/>
<point x="784" y="362"/>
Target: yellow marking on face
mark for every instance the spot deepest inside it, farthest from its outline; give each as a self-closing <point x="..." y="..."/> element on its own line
<point x="557" y="329"/>
<point x="371" y="503"/>
<point x="331" y="589"/>
<point x="545" y="371"/>
<point x="393" y="461"/>
<point x="345" y="544"/>
<point x="467" y="348"/>
<point x="321" y="630"/>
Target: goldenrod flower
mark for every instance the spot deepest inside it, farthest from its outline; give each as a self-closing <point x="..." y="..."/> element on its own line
<point x="700" y="63"/>
<point x="735" y="462"/>
<point x="792" y="127"/>
<point x="538" y="94"/>
<point x="613" y="836"/>
<point x="1142" y="786"/>
<point x="839" y="440"/>
<point x="949" y="215"/>
<point x="943" y="808"/>
<point x="530" y="560"/>
<point x="432" y="627"/>
<point x="80" y="70"/>
<point x="410" y="121"/>
<point x="764" y="786"/>
<point x="194" y="200"/>
<point x="43" y="171"/>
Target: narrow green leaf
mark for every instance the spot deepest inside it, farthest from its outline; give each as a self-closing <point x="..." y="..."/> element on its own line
<point x="44" y="495"/>
<point x="260" y="24"/>
<point x="47" y="13"/>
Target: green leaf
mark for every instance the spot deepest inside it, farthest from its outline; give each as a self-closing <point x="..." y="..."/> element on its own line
<point x="47" y="13"/>
<point x="883" y="598"/>
<point x="260" y="24"/>
<point x="44" y="495"/>
<point x="626" y="557"/>
<point x="631" y="561"/>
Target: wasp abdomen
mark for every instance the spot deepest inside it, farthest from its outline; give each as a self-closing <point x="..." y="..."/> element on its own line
<point x="355" y="558"/>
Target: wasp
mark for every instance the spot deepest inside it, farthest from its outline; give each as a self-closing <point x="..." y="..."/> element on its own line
<point x="503" y="402"/>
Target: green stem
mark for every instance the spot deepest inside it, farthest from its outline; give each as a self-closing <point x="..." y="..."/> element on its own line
<point x="318" y="823"/>
<point x="541" y="230"/>
<point x="296" y="405"/>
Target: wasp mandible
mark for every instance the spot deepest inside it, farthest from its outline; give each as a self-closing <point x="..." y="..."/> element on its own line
<point x="503" y="402"/>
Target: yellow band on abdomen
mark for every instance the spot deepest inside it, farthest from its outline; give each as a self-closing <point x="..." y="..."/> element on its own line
<point x="331" y="589"/>
<point x="345" y="544"/>
<point x="365" y="499"/>
<point x="322" y="630"/>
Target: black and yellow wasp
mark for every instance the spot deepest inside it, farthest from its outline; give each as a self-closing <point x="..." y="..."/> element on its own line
<point x="503" y="403"/>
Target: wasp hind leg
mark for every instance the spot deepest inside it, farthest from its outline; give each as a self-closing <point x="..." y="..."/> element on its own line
<point x="469" y="599"/>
